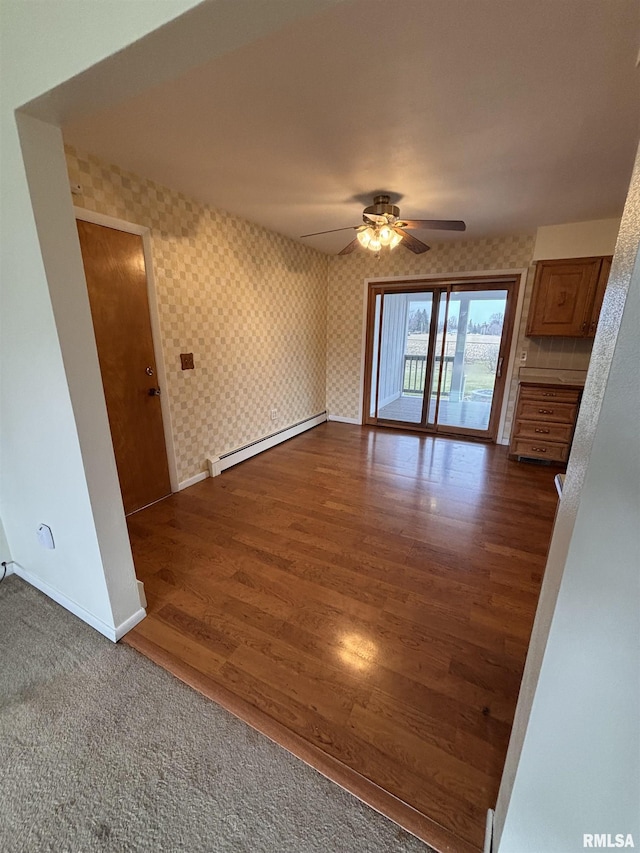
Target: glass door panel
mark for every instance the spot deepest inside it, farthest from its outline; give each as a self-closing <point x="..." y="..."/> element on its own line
<point x="473" y="344"/>
<point x="377" y="313"/>
<point x="402" y="356"/>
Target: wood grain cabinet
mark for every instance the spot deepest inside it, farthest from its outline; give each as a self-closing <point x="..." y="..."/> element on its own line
<point x="567" y="297"/>
<point x="544" y="421"/>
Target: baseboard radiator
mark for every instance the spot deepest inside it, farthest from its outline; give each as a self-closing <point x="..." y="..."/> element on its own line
<point x="218" y="464"/>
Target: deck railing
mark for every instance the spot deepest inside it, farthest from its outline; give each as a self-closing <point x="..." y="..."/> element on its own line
<point x="415" y="367"/>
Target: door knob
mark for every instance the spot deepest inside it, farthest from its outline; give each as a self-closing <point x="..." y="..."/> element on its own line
<point x="154" y="392"/>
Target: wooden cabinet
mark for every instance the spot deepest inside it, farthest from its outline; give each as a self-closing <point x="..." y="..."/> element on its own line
<point x="544" y="421"/>
<point x="567" y="297"/>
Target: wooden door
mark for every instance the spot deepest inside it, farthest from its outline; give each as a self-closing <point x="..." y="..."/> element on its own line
<point x="117" y="283"/>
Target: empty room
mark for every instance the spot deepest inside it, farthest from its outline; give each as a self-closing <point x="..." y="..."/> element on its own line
<point x="319" y="391"/>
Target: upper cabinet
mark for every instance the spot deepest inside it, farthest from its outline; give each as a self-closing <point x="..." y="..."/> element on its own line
<point x="567" y="297"/>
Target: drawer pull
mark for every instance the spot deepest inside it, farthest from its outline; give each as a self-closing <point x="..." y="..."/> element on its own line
<point x="544" y="431"/>
<point x="549" y="394"/>
<point x="539" y="449"/>
<point x="545" y="411"/>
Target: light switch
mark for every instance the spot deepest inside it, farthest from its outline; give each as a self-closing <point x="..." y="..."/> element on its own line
<point x="186" y="360"/>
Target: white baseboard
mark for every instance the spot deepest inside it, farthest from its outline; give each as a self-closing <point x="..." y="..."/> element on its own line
<point x="340" y="420"/>
<point x="488" y="832"/>
<point x="111" y="633"/>
<point x="124" y="627"/>
<point x="193" y="480"/>
<point x="142" y="595"/>
<point x="218" y="464"/>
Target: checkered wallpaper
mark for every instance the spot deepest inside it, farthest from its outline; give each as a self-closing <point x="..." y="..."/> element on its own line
<point x="250" y="304"/>
<point x="255" y="311"/>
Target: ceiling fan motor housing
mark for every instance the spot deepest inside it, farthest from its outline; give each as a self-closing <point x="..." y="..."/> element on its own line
<point x="381" y="208"/>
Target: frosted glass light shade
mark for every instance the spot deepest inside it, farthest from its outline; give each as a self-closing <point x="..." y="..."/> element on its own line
<point x="364" y="237"/>
<point x="396" y="239"/>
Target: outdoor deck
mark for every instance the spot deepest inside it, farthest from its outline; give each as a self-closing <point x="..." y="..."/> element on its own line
<point x="470" y="414"/>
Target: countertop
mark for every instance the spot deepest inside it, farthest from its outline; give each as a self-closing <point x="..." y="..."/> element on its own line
<point x="552" y="376"/>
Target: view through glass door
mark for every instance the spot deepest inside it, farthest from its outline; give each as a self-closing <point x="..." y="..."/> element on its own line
<point x="435" y="356"/>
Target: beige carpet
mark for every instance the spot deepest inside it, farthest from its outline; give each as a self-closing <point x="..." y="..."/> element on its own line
<point x="101" y="750"/>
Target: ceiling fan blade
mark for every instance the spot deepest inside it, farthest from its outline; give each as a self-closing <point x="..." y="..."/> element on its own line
<point x="332" y="231"/>
<point x="410" y="242"/>
<point x="435" y="224"/>
<point x="350" y="247"/>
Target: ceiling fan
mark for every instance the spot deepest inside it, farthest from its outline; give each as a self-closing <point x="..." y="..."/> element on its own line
<point x="382" y="227"/>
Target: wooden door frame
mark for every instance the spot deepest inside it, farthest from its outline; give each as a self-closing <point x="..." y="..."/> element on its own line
<point x="519" y="275"/>
<point x="145" y="233"/>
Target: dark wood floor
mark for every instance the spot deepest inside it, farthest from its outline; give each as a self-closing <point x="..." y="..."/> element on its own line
<point x="371" y="591"/>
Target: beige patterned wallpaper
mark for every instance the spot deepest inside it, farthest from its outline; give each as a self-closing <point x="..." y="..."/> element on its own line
<point x="250" y="304"/>
<point x="346" y="299"/>
<point x="272" y="324"/>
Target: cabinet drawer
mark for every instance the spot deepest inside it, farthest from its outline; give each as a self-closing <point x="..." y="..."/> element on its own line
<point x="543" y="431"/>
<point x="537" y="410"/>
<point x="534" y="449"/>
<point x="551" y="394"/>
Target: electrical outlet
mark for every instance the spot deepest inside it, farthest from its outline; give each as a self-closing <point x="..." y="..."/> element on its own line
<point x="45" y="537"/>
<point x="523" y="356"/>
<point x="274" y="414"/>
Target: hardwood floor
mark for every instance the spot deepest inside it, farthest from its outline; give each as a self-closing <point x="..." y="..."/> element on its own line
<point x="372" y="593"/>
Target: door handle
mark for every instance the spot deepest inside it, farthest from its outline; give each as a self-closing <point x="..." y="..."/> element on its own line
<point x="154" y="392"/>
<point x="499" y="370"/>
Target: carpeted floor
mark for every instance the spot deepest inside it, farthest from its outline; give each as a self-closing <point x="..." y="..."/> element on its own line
<point x="101" y="750"/>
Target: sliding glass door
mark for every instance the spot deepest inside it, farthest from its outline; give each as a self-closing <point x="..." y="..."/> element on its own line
<point x="435" y="355"/>
<point x="401" y="371"/>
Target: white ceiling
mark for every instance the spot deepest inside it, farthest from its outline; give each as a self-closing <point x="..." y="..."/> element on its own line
<point x="508" y="114"/>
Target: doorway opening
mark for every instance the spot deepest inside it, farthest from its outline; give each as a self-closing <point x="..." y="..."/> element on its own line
<point x="436" y="352"/>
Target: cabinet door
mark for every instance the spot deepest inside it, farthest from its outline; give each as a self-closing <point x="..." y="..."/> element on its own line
<point x="563" y="293"/>
<point x="601" y="286"/>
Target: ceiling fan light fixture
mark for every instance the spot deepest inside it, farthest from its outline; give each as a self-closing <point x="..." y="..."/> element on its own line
<point x="383" y="228"/>
<point x="376" y="237"/>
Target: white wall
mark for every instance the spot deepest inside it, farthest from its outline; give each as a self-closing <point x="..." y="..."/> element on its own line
<point x="573" y="764"/>
<point x="394" y="343"/>
<point x="576" y="239"/>
<point x="55" y="452"/>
